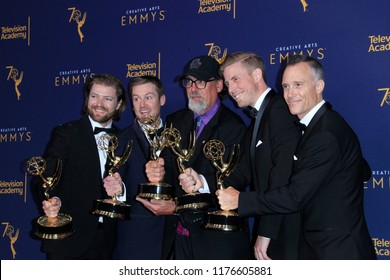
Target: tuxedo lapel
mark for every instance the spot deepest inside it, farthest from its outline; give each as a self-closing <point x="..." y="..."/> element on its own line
<point x="324" y="108"/>
<point x="90" y="149"/>
<point x="185" y="143"/>
<point x="89" y="141"/>
<point x="257" y="122"/>
<point x="141" y="139"/>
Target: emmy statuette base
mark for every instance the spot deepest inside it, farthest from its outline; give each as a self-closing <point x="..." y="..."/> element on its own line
<point x="223" y="221"/>
<point x="111" y="209"/>
<point x="162" y="191"/>
<point x="193" y="202"/>
<point x="54" y="228"/>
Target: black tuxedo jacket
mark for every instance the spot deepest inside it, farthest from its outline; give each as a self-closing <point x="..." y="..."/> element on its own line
<point x="229" y="128"/>
<point x="141" y="236"/>
<point x="79" y="186"/>
<point x="327" y="188"/>
<point x="274" y="147"/>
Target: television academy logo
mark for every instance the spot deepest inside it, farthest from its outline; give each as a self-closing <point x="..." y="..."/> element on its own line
<point x="17" y="32"/>
<point x="76" y="17"/>
<point x="382" y="246"/>
<point x="214" y="6"/>
<point x="379" y="43"/>
<point x="17" y="78"/>
<point x="147" y="67"/>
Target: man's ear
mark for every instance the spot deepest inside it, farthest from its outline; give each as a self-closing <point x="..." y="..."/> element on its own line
<point x="320" y="85"/>
<point x="162" y="100"/>
<point x="219" y="85"/>
<point x="257" y="75"/>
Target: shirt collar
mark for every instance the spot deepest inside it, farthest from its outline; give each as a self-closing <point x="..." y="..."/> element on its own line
<point x="261" y="99"/>
<point x="306" y="119"/>
<point x="206" y="117"/>
<point x="96" y="124"/>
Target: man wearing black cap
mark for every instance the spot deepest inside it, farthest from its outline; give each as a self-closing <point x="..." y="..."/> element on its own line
<point x="184" y="236"/>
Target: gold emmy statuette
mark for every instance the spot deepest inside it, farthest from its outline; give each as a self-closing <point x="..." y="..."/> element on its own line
<point x="220" y="219"/>
<point x="191" y="202"/>
<point x="112" y="208"/>
<point x="159" y="190"/>
<point x="61" y="226"/>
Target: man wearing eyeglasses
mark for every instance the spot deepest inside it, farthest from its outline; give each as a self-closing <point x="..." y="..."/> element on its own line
<point x="184" y="236"/>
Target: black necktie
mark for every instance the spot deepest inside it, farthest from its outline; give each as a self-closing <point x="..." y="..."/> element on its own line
<point x="300" y="125"/>
<point x="100" y="129"/>
<point x="252" y="111"/>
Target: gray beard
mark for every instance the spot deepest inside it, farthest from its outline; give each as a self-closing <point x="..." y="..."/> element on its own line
<point x="197" y="107"/>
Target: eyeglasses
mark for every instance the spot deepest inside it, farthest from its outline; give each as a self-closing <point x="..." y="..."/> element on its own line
<point x="187" y="83"/>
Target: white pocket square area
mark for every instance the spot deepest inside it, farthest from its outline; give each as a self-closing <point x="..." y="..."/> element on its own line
<point x="295" y="158"/>
<point x="259" y="143"/>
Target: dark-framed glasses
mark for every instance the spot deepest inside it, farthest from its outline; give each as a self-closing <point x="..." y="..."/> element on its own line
<point x="187" y="83"/>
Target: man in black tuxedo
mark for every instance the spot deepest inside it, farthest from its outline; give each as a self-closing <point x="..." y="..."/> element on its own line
<point x="271" y="143"/>
<point x="140" y="238"/>
<point x="83" y="168"/>
<point x="184" y="236"/>
<point x="326" y="186"/>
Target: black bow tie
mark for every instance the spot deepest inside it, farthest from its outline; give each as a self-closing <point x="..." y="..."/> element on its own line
<point x="252" y="111"/>
<point x="106" y="130"/>
<point x="300" y="125"/>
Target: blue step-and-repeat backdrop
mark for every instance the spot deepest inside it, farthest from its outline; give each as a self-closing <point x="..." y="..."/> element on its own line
<point x="48" y="49"/>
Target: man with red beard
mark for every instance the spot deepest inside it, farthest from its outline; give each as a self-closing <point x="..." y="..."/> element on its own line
<point x="75" y="143"/>
<point x="184" y="236"/>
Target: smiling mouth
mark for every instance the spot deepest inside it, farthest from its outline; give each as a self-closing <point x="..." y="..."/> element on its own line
<point x="293" y="102"/>
<point x="238" y="97"/>
<point x="144" y="111"/>
<point x="100" y="110"/>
